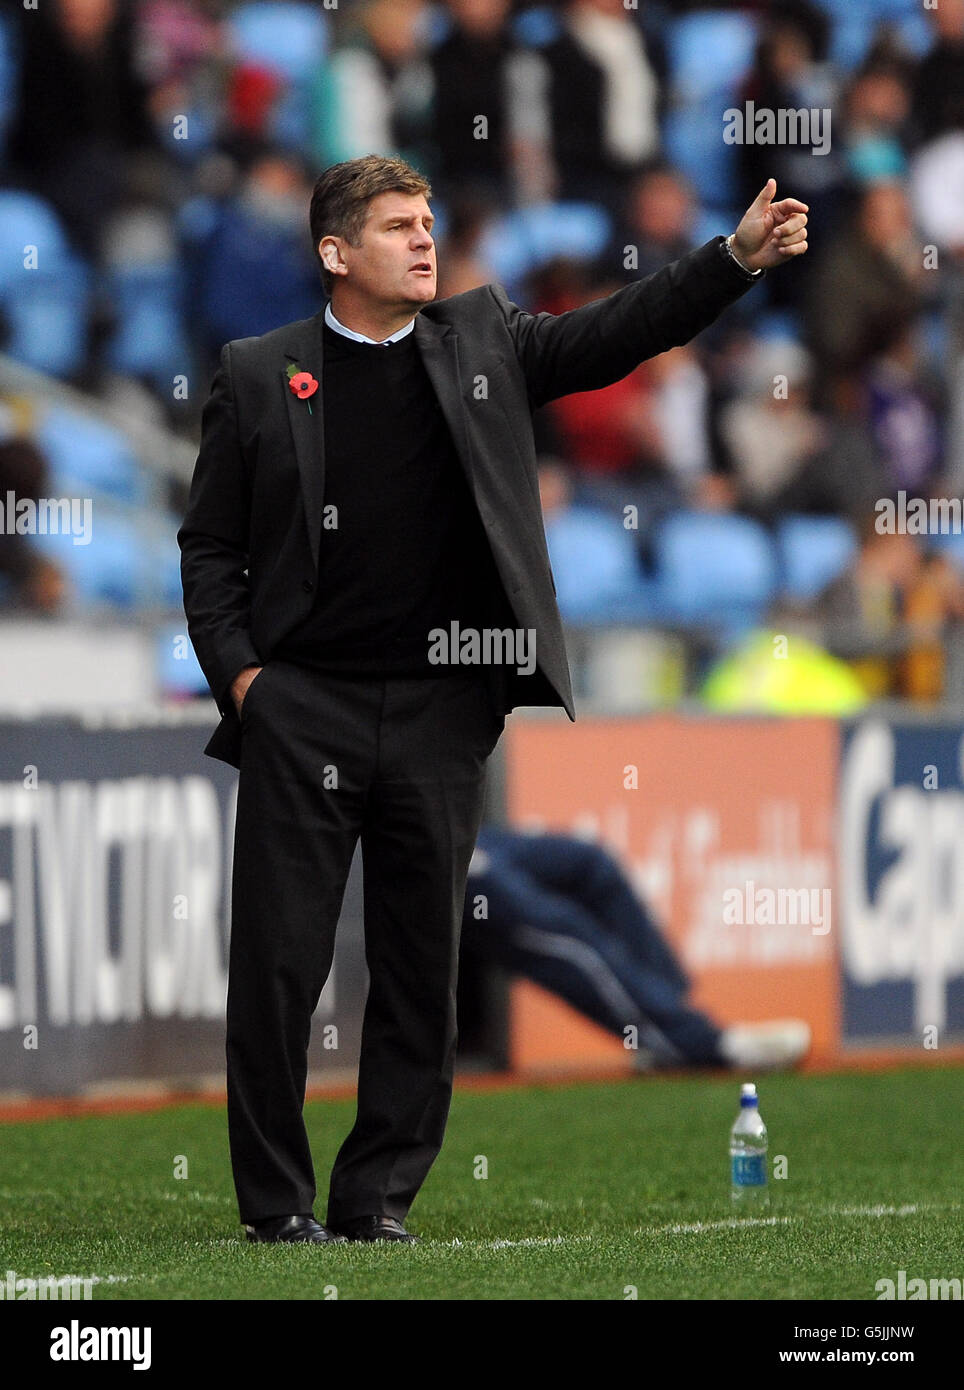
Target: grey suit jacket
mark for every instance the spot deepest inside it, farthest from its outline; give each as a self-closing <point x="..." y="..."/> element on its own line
<point x="251" y="533"/>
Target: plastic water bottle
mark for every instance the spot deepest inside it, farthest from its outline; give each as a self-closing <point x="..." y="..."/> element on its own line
<point x="748" y="1154"/>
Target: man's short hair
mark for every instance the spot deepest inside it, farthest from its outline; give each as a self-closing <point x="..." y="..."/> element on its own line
<point x="340" y="198"/>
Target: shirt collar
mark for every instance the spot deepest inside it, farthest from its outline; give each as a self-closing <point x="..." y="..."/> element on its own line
<point x="332" y="322"/>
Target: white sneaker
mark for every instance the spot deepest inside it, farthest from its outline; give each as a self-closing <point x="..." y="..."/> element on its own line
<point x="774" y="1046"/>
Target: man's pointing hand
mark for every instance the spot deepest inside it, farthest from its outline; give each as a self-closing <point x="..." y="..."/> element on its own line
<point x="770" y="232"/>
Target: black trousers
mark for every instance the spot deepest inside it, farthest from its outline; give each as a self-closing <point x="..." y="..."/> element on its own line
<point x="326" y="760"/>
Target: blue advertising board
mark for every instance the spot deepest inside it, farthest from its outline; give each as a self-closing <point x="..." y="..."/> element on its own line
<point x="901" y="883"/>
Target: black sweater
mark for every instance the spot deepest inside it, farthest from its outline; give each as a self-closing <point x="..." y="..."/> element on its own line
<point x="408" y="552"/>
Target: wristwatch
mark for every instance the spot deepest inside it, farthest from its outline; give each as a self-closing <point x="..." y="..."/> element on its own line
<point x="726" y="248"/>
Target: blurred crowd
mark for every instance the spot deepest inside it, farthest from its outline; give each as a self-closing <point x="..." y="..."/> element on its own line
<point x="171" y="146"/>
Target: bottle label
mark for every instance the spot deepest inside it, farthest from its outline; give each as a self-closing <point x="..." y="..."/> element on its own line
<point x="749" y="1170"/>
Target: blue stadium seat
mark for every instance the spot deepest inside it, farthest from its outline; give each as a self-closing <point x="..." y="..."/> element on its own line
<point x="108" y="570"/>
<point x="519" y="241"/>
<point x="714" y="568"/>
<point x="149" y="339"/>
<point x="132" y="559"/>
<point x="855" y="23"/>
<point x="813" y="551"/>
<point x="26" y="220"/>
<point x="46" y="306"/>
<point x="536" y="26"/>
<point x="178" y="675"/>
<point x="88" y="457"/>
<point x="47" y="320"/>
<point x="596" y="569"/>
<point x="709" y="54"/>
<point x="164" y="560"/>
<point x="291" y="38"/>
<point x="694" y="145"/>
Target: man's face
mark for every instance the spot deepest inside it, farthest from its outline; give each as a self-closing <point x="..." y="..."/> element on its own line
<point x="395" y="263"/>
<point x="483" y="18"/>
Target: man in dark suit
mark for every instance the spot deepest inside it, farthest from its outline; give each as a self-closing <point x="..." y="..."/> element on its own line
<point x="368" y="592"/>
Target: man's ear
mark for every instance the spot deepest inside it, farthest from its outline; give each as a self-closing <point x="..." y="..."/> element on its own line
<point x="331" y="257"/>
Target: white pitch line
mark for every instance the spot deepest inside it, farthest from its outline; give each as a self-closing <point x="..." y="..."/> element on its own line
<point x="907" y="1210"/>
<point x="687" y="1228"/>
<point x="84" y="1278"/>
<point x="527" y="1242"/>
<point x="731" y="1223"/>
<point x="531" y="1241"/>
<point x="734" y="1222"/>
<point x="197" y="1197"/>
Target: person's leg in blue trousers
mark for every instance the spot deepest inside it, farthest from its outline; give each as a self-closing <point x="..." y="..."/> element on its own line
<point x="561" y="913"/>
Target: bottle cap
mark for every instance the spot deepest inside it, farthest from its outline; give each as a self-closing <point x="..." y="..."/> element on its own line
<point x="748" y="1088"/>
<point x="748" y="1095"/>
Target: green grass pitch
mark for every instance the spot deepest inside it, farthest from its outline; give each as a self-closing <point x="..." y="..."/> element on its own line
<point x="593" y="1190"/>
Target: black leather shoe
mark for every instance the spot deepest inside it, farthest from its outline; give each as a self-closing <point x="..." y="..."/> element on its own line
<point x="375" y="1228"/>
<point x="292" y="1230"/>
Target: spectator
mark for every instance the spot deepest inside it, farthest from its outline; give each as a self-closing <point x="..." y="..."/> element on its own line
<point x="640" y="442"/>
<point x="868" y="277"/>
<point x="656" y="225"/>
<point x="939" y="86"/>
<point x="937" y="192"/>
<point x="603" y="102"/>
<point x="876" y="115"/>
<point x="254" y="267"/>
<point x="903" y="414"/>
<point x="461" y="265"/>
<point x="611" y="433"/>
<point x="473" y="117"/>
<point x="34" y="583"/>
<point x="894" y="582"/>
<point x="608" y="432"/>
<point x="180" y="54"/>
<point x="680" y="397"/>
<point x="82" y="112"/>
<point x="252" y="97"/>
<point x="785" y="455"/>
<point x="373" y="95"/>
<point x="179" y="38"/>
<point x="790" y="74"/>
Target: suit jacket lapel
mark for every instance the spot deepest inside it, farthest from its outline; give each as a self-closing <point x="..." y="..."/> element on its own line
<point x="439" y="346"/>
<point x="306" y="349"/>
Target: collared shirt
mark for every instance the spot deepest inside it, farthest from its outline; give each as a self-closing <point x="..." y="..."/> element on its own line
<point x="332" y="322"/>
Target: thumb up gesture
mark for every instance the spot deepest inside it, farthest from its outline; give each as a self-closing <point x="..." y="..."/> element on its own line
<point x="770" y="233"/>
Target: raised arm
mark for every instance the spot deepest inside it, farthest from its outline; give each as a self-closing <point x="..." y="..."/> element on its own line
<point x="603" y="341"/>
<point x="214" y="541"/>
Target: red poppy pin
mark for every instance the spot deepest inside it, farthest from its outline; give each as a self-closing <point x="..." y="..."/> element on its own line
<point x="302" y="384"/>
